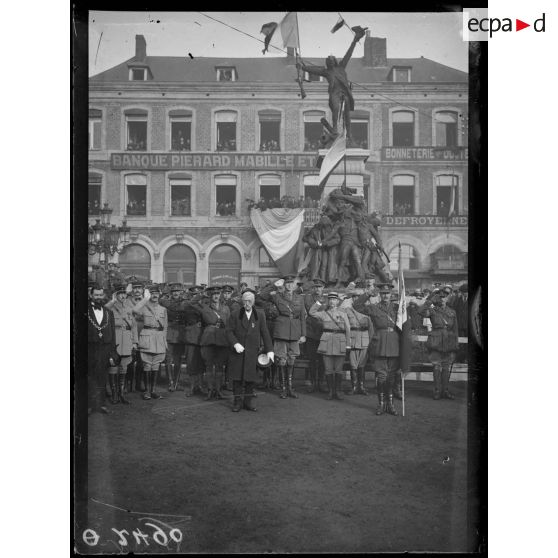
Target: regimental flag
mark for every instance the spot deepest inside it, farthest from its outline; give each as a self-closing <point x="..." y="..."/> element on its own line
<point x="338" y="25"/>
<point x="333" y="157"/>
<point x="280" y="231"/>
<point x="268" y="29"/>
<point x="289" y="33"/>
<point x="404" y="324"/>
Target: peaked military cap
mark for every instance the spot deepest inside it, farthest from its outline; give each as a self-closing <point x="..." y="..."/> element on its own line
<point x="319" y="283"/>
<point x="385" y="287"/>
<point x="289" y="278"/>
<point x="120" y="289"/>
<point x="227" y="289"/>
<point x="176" y="287"/>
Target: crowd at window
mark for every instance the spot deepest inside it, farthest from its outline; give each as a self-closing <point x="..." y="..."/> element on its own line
<point x="93" y="207"/>
<point x="180" y="143"/>
<point x="136" y="145"/>
<point x="269" y="145"/>
<point x="226" y="145"/>
<point x="135" y="207"/>
<point x="402" y="209"/>
<point x="181" y="207"/>
<point x="225" y="209"/>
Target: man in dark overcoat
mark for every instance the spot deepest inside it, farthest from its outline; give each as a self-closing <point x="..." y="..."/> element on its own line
<point x="101" y="350"/>
<point x="246" y="332"/>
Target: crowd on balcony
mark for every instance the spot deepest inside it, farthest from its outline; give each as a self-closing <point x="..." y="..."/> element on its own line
<point x="135" y="207"/>
<point x="225" y="209"/>
<point x="93" y="207"/>
<point x="311" y="145"/>
<point x="181" y="207"/>
<point x="226" y="145"/>
<point x="402" y="209"/>
<point x="181" y="143"/>
<point x="287" y="202"/>
<point x="136" y="145"/>
<point x="269" y="145"/>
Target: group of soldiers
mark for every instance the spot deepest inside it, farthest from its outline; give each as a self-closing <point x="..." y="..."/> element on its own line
<point x="183" y="332"/>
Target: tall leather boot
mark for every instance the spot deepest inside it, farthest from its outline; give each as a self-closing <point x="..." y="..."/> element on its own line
<point x="130" y="377"/>
<point x="330" y="380"/>
<point x="320" y="374"/>
<point x="389" y="405"/>
<point x="312" y="368"/>
<point x="337" y="386"/>
<point x="113" y="388"/>
<point x="445" y="381"/>
<point x="153" y="384"/>
<point x="290" y="389"/>
<point x="121" y="385"/>
<point x="100" y="401"/>
<point x="381" y="398"/>
<point x="283" y="380"/>
<point x="171" y="372"/>
<point x="146" y="395"/>
<point x="354" y="384"/>
<point x="210" y="382"/>
<point x="437" y="372"/>
<point x="139" y="374"/>
<point x="360" y="380"/>
<point x="248" y="402"/>
<point x="219" y="374"/>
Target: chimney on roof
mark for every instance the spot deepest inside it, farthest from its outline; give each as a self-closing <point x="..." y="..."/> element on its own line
<point x="141" y="48"/>
<point x="375" y="51"/>
<point x="290" y="55"/>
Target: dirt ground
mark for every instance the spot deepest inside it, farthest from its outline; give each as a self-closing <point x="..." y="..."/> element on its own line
<point x="299" y="475"/>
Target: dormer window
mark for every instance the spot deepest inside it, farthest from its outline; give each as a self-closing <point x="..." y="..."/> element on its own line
<point x="401" y="74"/>
<point x="227" y="74"/>
<point x="312" y="77"/>
<point x="138" y="74"/>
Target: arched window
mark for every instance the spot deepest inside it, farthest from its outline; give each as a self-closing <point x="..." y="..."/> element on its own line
<point x="409" y="258"/>
<point x="225" y="121"/>
<point x="446" y="128"/>
<point x="224" y="266"/>
<point x="403" y="127"/>
<point x="179" y="265"/>
<point x="448" y="257"/>
<point x="135" y="260"/>
<point x="312" y="129"/>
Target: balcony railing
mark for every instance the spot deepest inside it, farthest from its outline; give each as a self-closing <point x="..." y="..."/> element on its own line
<point x="455" y="263"/>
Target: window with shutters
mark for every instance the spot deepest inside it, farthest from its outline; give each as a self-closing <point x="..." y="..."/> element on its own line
<point x="403" y="127"/>
<point x="225" y="121"/>
<point x="136" y="194"/>
<point x="95" y="123"/>
<point x="446" y="128"/>
<point x="225" y="195"/>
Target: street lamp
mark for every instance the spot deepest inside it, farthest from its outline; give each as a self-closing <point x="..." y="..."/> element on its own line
<point x="106" y="239"/>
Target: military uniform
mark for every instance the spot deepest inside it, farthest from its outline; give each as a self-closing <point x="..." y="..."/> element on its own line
<point x="442" y="344"/>
<point x="152" y="340"/>
<point x="214" y="343"/>
<point x="385" y="346"/>
<point x="313" y="335"/>
<point x="361" y="333"/>
<point x="192" y="350"/>
<point x="126" y="338"/>
<point x="176" y="334"/>
<point x="334" y="342"/>
<point x="288" y="329"/>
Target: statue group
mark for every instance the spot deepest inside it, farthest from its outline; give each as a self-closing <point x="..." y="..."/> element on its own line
<point x="345" y="244"/>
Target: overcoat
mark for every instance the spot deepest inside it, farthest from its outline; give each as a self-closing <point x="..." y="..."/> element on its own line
<point x="443" y="337"/>
<point x="215" y="321"/>
<point x="251" y="335"/>
<point x="176" y="332"/>
<point x="290" y="324"/>
<point x="313" y="325"/>
<point x="385" y="342"/>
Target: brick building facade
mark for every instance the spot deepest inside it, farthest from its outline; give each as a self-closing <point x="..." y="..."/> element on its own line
<point x="177" y="146"/>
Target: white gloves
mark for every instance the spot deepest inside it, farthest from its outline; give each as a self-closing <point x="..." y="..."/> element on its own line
<point x="146" y="294"/>
<point x="271" y="356"/>
<point x="129" y="288"/>
<point x="279" y="282"/>
<point x="238" y="348"/>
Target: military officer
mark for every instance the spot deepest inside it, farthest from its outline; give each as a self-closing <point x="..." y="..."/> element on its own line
<point x="153" y="338"/>
<point x="289" y="329"/>
<point x="176" y="333"/>
<point x="234" y="305"/>
<point x="214" y="344"/>
<point x="126" y="341"/>
<point x="361" y="334"/>
<point x="335" y="340"/>
<point x="135" y="296"/>
<point x="441" y="342"/>
<point x="313" y="336"/>
<point x="385" y="345"/>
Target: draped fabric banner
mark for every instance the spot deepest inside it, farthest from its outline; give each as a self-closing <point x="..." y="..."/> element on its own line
<point x="281" y="231"/>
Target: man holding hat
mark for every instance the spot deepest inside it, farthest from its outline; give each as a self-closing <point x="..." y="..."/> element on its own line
<point x="289" y="329"/>
<point x="153" y="338"/>
<point x="313" y="336"/>
<point x="385" y="345"/>
<point x="214" y="343"/>
<point x="126" y="341"/>
<point x="246" y="332"/>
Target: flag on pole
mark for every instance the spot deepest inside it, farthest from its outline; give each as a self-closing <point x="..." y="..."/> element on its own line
<point x="402" y="310"/>
<point x="280" y="231"/>
<point x="452" y="198"/>
<point x="338" y="25"/>
<point x="332" y="158"/>
<point x="289" y="33"/>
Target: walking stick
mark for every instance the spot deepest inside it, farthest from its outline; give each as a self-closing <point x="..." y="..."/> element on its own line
<point x="402" y="393"/>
